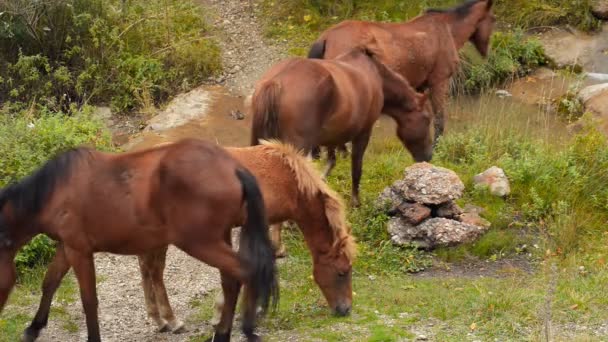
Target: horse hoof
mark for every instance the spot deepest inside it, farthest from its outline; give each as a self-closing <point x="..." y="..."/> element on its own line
<point x="178" y="327"/>
<point x="219" y="338"/>
<point x="28" y="338"/>
<point x="254" y="338"/>
<point x="164" y="328"/>
<point x="281" y="253"/>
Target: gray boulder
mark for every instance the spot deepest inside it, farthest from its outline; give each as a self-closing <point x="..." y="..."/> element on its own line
<point x="428" y="184"/>
<point x="433" y="233"/>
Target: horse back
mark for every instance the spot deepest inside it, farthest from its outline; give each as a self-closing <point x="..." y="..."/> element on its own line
<point x="415" y="49"/>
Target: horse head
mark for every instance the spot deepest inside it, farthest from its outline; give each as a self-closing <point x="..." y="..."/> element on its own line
<point x="414" y="129"/>
<point x="333" y="274"/>
<point x="485" y="26"/>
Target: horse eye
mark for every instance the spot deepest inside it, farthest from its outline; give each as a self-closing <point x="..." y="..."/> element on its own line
<point x="342" y="274"/>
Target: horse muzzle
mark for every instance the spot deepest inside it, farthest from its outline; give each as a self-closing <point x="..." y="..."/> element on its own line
<point x="342" y="310"/>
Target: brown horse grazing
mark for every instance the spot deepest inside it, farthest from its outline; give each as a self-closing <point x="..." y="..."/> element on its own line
<point x="424" y="50"/>
<point x="189" y="194"/>
<point x="311" y="102"/>
<point x="292" y="190"/>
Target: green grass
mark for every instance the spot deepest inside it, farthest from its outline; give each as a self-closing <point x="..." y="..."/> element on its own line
<point x="564" y="244"/>
<point x="17" y="314"/>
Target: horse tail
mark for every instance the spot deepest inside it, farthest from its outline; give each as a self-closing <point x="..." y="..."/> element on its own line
<point x="256" y="250"/>
<point x="264" y="107"/>
<point x="317" y="50"/>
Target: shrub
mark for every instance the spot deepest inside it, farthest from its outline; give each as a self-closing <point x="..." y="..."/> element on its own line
<point x="556" y="190"/>
<point x="87" y="51"/>
<point x="28" y="141"/>
<point x="512" y="55"/>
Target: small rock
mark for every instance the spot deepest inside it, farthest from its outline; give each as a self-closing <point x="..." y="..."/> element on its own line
<point x="495" y="179"/>
<point x="599" y="9"/>
<point x="448" y="210"/>
<point x="422" y="338"/>
<point x="237" y="114"/>
<point x="474" y="219"/>
<point x="414" y="213"/>
<point x="591" y="91"/>
<point x="236" y="69"/>
<point x="428" y="184"/>
<point x="503" y="93"/>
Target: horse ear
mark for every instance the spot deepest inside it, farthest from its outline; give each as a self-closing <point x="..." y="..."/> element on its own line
<point x="489" y="4"/>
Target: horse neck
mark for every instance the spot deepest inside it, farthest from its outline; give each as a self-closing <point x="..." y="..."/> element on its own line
<point x="318" y="233"/>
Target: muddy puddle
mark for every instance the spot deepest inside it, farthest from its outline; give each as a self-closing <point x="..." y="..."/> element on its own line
<point x="213" y="120"/>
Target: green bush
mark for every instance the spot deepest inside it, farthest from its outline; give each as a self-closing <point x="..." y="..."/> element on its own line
<point x="556" y="190"/>
<point x="28" y="141"/>
<point x="512" y="55"/>
<point x="90" y="51"/>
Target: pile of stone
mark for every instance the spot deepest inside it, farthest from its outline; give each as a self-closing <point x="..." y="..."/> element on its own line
<point x="423" y="210"/>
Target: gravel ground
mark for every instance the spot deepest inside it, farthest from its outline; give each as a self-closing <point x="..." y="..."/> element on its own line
<point x="246" y="55"/>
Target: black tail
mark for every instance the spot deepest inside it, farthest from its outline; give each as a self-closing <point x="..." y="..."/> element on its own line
<point x="255" y="248"/>
<point x="265" y="112"/>
<point x="317" y="50"/>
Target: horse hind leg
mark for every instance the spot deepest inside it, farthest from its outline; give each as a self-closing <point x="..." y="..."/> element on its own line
<point x="331" y="162"/>
<point x="277" y="240"/>
<point x="221" y="256"/>
<point x="151" y="266"/>
<point x="162" y="300"/>
<point x="57" y="269"/>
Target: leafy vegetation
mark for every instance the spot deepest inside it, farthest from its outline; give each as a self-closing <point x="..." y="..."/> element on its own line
<point x="28" y="140"/>
<point x="127" y="53"/>
<point x="513" y="55"/>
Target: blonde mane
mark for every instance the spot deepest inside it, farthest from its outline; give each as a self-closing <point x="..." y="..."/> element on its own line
<point x="310" y="183"/>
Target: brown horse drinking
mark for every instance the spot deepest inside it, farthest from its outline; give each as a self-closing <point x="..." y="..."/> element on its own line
<point x="424" y="50"/>
<point x="189" y="194"/>
<point x="311" y="102"/>
<point x="292" y="190"/>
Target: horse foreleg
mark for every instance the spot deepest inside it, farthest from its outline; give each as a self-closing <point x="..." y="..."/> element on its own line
<point x="331" y="162"/>
<point x="277" y="240"/>
<point x="84" y="268"/>
<point x="439" y="97"/>
<point x="57" y="269"/>
<point x="359" y="146"/>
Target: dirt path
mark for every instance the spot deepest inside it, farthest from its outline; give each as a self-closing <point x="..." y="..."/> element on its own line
<point x="245" y="52"/>
<point x="246" y="55"/>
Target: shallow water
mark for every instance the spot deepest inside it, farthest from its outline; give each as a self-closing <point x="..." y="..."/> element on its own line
<point x="464" y="113"/>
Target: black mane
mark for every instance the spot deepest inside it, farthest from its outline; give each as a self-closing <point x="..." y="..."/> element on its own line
<point x="462" y="10"/>
<point x="30" y="193"/>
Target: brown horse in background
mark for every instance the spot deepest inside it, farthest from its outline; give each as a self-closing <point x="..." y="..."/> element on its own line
<point x="293" y="190"/>
<point x="424" y="50"/>
<point x="311" y="102"/>
<point x="189" y="194"/>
